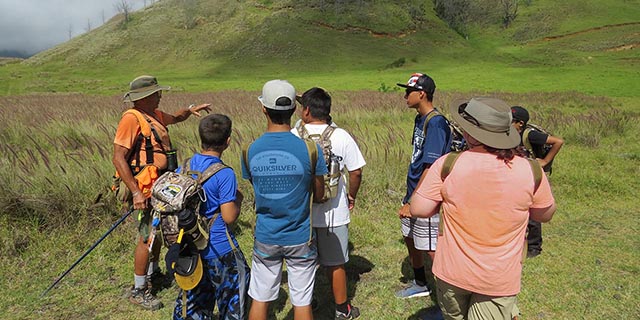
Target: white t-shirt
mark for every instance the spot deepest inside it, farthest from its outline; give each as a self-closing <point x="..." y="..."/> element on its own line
<point x="335" y="212"/>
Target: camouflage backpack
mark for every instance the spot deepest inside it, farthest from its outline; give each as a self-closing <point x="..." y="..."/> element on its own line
<point x="331" y="179"/>
<point x="177" y="197"/>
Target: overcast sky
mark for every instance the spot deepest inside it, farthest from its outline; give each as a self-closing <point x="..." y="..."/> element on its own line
<point x="34" y="25"/>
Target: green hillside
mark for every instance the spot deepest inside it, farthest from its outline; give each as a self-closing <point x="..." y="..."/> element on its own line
<point x="200" y="45"/>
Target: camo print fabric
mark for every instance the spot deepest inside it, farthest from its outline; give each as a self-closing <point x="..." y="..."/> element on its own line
<point x="169" y="229"/>
<point x="225" y="282"/>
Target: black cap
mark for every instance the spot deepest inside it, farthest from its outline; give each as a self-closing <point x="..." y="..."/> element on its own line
<point x="420" y="82"/>
<point x="520" y="114"/>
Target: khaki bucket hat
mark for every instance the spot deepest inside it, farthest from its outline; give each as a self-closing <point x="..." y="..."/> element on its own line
<point x="486" y="119"/>
<point x="142" y="87"/>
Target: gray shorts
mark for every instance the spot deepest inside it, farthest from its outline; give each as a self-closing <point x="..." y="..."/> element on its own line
<point x="423" y="231"/>
<point x="332" y="245"/>
<point x="266" y="272"/>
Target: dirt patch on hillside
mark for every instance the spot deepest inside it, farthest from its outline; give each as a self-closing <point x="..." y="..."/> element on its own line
<point x="609" y="26"/>
<point x="373" y="33"/>
<point x="624" y="47"/>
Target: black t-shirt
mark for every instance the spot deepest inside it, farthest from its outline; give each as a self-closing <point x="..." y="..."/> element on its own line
<point x="538" y="140"/>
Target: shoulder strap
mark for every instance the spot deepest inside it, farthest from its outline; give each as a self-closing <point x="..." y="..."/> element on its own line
<point x="448" y="163"/>
<point x="145" y="131"/>
<point x="312" y="149"/>
<point x="245" y="158"/>
<point x="211" y="171"/>
<point x="430" y="116"/>
<point x="302" y="130"/>
<point x="145" y="127"/>
<point x="537" y="173"/>
<point x="327" y="132"/>
<point x="525" y="141"/>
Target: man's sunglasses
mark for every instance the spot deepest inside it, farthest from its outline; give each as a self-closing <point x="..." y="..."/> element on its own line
<point x="408" y="91"/>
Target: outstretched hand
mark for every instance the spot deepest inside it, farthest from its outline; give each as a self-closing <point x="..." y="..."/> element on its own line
<point x="195" y="110"/>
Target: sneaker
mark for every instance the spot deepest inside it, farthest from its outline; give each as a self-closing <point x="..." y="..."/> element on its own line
<point x="145" y="299"/>
<point x="353" y="313"/>
<point x="413" y="291"/>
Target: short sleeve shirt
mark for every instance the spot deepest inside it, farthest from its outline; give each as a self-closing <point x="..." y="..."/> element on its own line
<point x="427" y="147"/>
<point x="335" y="212"/>
<point x="219" y="189"/>
<point x="129" y="129"/>
<point x="537" y="140"/>
<point x="280" y="170"/>
<point x="484" y="215"/>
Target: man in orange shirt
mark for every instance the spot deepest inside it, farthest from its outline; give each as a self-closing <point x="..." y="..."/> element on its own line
<point x="487" y="196"/>
<point x="129" y="156"/>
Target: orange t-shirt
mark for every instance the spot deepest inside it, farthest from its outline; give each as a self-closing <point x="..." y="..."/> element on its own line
<point x="129" y="129"/>
<point x="485" y="209"/>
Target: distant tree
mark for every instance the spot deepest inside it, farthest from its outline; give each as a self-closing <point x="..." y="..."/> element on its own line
<point x="509" y="12"/>
<point x="455" y="13"/>
<point x="70" y="31"/>
<point x="88" y="27"/>
<point x="190" y="8"/>
<point x="123" y="6"/>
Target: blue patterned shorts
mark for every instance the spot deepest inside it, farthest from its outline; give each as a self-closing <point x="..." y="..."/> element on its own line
<point x="225" y="281"/>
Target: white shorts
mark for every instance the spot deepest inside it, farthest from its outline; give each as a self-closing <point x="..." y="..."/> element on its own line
<point x="266" y="272"/>
<point x="423" y="231"/>
<point x="333" y="245"/>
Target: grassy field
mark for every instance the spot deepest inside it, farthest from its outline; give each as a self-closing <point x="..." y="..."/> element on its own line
<point x="574" y="64"/>
<point x="56" y="203"/>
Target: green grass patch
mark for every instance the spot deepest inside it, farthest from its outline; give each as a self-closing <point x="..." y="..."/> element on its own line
<point x="54" y="214"/>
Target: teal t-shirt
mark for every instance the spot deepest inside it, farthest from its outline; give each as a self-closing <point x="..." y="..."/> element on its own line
<point x="280" y="171"/>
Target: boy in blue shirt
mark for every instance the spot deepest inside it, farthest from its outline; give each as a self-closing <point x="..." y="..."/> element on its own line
<point x="283" y="176"/>
<point x="225" y="279"/>
<point x="431" y="139"/>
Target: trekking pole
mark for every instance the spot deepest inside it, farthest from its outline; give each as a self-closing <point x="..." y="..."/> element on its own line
<point x="87" y="253"/>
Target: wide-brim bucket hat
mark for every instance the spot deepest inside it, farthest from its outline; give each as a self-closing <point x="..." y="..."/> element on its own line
<point x="487" y="120"/>
<point x="142" y="87"/>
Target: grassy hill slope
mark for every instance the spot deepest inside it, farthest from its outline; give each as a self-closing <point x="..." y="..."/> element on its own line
<point x="213" y="45"/>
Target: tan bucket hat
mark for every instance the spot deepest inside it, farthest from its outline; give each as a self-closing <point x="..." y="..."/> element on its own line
<point x="142" y="87"/>
<point x="486" y="119"/>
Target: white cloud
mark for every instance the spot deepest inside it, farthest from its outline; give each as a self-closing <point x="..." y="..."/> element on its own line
<point x="35" y="25"/>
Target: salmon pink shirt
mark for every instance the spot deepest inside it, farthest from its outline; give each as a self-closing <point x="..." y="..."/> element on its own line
<point x="484" y="215"/>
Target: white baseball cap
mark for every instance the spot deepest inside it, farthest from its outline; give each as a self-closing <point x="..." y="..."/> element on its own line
<point x="276" y="89"/>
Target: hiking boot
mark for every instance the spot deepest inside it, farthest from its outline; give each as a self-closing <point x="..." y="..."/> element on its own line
<point x="413" y="291"/>
<point x="353" y="313"/>
<point x="145" y="299"/>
